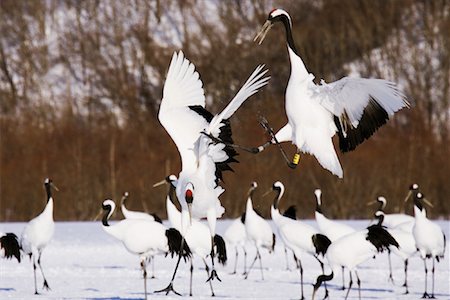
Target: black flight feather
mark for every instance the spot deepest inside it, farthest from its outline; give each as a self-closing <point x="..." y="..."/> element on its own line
<point x="10" y="245"/>
<point x="373" y="117"/>
<point x="221" y="249"/>
<point x="291" y="212"/>
<point x="174" y="239"/>
<point x="321" y="243"/>
<point x="380" y="238"/>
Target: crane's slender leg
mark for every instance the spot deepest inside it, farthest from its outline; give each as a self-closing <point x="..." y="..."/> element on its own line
<point x="425" y="294"/>
<point x="144" y="272"/>
<point x="406" y="277"/>
<point x="391" y="278"/>
<point x="170" y="288"/>
<point x="296" y="260"/>
<point x="207" y="274"/>
<point x="260" y="263"/>
<point x="236" y="261"/>
<point x="46" y="287"/>
<point x="253" y="150"/>
<point x="432" y="283"/>
<point x="245" y="261"/>
<point x="359" y="284"/>
<point x="323" y="273"/>
<point x="286" y="256"/>
<point x="251" y="266"/>
<point x="343" y="278"/>
<point x="265" y="124"/>
<point x="349" y="285"/>
<point x="153" y="266"/>
<point x="213" y="269"/>
<point x="34" y="271"/>
<point x="301" y="277"/>
<point x="192" y="273"/>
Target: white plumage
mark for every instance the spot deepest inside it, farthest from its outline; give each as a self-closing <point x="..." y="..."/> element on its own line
<point x="196" y="234"/>
<point x="429" y="237"/>
<point x="332" y="229"/>
<point x="353" y="249"/>
<point x="38" y="233"/>
<point x="183" y="115"/>
<point x="353" y="107"/>
<point x="396" y="219"/>
<point x="236" y="237"/>
<point x="142" y="237"/>
<point x="258" y="230"/>
<point x="297" y="235"/>
<point x="131" y="214"/>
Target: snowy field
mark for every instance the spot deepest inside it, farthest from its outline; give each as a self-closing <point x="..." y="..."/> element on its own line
<point x="83" y="262"/>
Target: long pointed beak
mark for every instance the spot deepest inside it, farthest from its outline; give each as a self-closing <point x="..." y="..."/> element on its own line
<point x="314" y="294"/>
<point x="267" y="193"/>
<point x="190" y="213"/>
<point x="427" y="202"/>
<point x="54" y="186"/>
<point x="407" y="196"/>
<point x="263" y="32"/>
<point x="159" y="183"/>
<point x="371" y="203"/>
<point x="98" y="215"/>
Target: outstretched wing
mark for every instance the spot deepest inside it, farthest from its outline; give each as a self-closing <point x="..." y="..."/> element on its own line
<point x="219" y="153"/>
<point x="360" y="107"/>
<point x="182" y="110"/>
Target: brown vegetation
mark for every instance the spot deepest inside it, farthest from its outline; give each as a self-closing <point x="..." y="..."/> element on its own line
<point x="81" y="82"/>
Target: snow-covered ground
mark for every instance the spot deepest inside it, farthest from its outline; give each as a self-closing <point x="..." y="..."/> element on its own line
<point x="83" y="262"/>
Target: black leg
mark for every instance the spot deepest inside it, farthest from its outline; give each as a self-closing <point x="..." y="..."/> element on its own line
<point x="349" y="285"/>
<point x="260" y="263"/>
<point x="406" y="277"/>
<point x="144" y="271"/>
<point x="286" y="256"/>
<point x="343" y="278"/>
<point x="245" y="262"/>
<point x="170" y="288"/>
<point x="432" y="283"/>
<point x="153" y="266"/>
<point x="192" y="273"/>
<point x="34" y="272"/>
<point x="359" y="284"/>
<point x="301" y="277"/>
<point x="46" y="287"/>
<point x="425" y="294"/>
<point x="251" y="266"/>
<point x="236" y="261"/>
<point x="391" y="278"/>
<point x="213" y="269"/>
<point x="210" y="281"/>
<point x="323" y="273"/>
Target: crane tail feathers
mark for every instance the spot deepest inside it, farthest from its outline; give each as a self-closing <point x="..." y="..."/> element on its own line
<point x="219" y="242"/>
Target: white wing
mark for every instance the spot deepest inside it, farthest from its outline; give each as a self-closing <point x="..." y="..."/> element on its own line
<point x="183" y="86"/>
<point x="361" y="106"/>
<point x="182" y="89"/>
<point x="250" y="87"/>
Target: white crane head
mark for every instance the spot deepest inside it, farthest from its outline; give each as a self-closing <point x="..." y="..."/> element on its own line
<point x="124" y="198"/>
<point x="276" y="15"/>
<point x="412" y="189"/>
<point x="108" y="206"/>
<point x="382" y="201"/>
<point x="278" y="187"/>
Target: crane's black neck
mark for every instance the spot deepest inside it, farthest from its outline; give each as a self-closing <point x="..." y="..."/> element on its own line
<point x="172" y="193"/>
<point x="243" y="218"/>
<point x="319" y="207"/>
<point x="276" y="200"/>
<point x="380" y="219"/>
<point x="250" y="193"/>
<point x="321" y="279"/>
<point x="107" y="210"/>
<point x="418" y="203"/>
<point x="48" y="190"/>
<point x="289" y="38"/>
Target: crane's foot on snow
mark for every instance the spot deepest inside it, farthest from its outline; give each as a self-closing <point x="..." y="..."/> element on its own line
<point x="45" y="286"/>
<point x="168" y="289"/>
<point x="213" y="276"/>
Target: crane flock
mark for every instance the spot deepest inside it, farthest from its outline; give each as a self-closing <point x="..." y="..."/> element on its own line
<point x="354" y="108"/>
